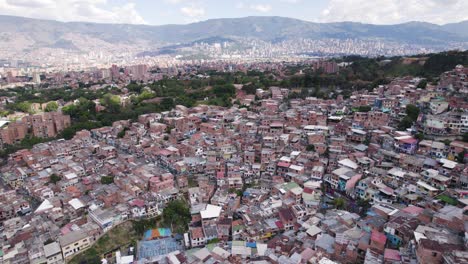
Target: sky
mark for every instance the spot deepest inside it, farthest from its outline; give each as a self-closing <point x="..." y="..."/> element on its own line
<point x="160" y="12"/>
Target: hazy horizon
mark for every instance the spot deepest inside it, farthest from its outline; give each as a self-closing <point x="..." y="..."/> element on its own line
<point x="241" y="17"/>
<point x="164" y="12"/>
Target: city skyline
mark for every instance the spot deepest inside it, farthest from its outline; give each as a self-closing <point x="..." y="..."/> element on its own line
<point x="163" y="12"/>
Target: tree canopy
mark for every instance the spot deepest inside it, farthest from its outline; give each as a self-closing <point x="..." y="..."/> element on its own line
<point x="107" y="179"/>
<point x="51" y="107"/>
<point x="176" y="215"/>
<point x="339" y="203"/>
<point x="54" y="178"/>
<point x="412" y="113"/>
<point x="111" y="102"/>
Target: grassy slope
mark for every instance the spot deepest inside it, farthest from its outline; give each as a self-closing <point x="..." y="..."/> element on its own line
<point x="121" y="236"/>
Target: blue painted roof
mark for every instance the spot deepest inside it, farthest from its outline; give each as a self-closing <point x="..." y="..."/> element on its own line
<point x="251" y="244"/>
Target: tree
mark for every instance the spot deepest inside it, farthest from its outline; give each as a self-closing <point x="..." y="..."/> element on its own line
<point x="412" y="111"/>
<point x="364" y="108"/>
<point x="145" y="95"/>
<point x="24" y="106"/>
<point x="465" y="137"/>
<point x="366" y="141"/>
<point x="340" y="203"/>
<point x="461" y="156"/>
<point x="447" y="142"/>
<point x="226" y="90"/>
<point x="176" y="215"/>
<point x="134" y="87"/>
<point x="140" y="226"/>
<point x="54" y="178"/>
<point x="185" y="101"/>
<point x="405" y="123"/>
<point x="111" y="102"/>
<point x="107" y="179"/>
<point x="167" y="103"/>
<point x="121" y="134"/>
<point x="51" y="107"/>
<point x="213" y="241"/>
<point x="365" y="205"/>
<point x="422" y="84"/>
<point x="70" y="132"/>
<point x="419" y="136"/>
<point x="310" y="148"/>
<point x="169" y="129"/>
<point x="249" y="88"/>
<point x="70" y="110"/>
<point x="4" y="113"/>
<point x="83" y="110"/>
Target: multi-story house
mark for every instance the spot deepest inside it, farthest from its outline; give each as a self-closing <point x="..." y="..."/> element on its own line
<point x="287" y="218"/>
<point x="53" y="253"/>
<point x="74" y="243"/>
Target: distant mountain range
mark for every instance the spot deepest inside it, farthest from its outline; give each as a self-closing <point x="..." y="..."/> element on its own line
<point x="23" y="34"/>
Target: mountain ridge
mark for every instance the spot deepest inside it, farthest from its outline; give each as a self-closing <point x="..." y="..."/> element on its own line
<point x="38" y="33"/>
<point x="229" y="18"/>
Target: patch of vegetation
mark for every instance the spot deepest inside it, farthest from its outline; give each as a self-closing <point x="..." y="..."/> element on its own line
<point x="365" y="206"/>
<point x="422" y="84"/>
<point x="364" y="108"/>
<point x="70" y="132"/>
<point x="465" y="137"/>
<point x="447" y="142"/>
<point x="213" y="241"/>
<point x="192" y="182"/>
<point x="51" y="107"/>
<point x="107" y="179"/>
<point x="176" y="215"/>
<point x="438" y="63"/>
<point x="21" y="106"/>
<point x="141" y="226"/>
<point x="249" y="88"/>
<point x="447" y="199"/>
<point x="54" y="178"/>
<point x="419" y="136"/>
<point x="339" y="203"/>
<point x="120" y="237"/>
<point x="310" y="148"/>
<point x="121" y="134"/>
<point x="27" y="143"/>
<point x="461" y="156"/>
<point x="412" y="113"/>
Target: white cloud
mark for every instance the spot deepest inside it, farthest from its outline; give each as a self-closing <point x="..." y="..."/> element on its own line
<point x="291" y="1"/>
<point x="393" y="12"/>
<point x="261" y="8"/>
<point x="73" y="10"/>
<point x="174" y="1"/>
<point x="31" y="3"/>
<point x="193" y="11"/>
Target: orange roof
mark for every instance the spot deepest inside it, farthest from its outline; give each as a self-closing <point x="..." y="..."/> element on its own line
<point x="72" y="189"/>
